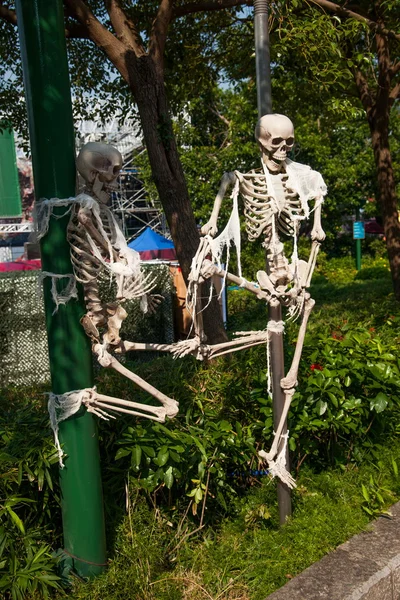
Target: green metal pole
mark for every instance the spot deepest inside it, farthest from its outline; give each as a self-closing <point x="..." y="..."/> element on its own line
<point x="48" y="96"/>
<point x="358" y="255"/>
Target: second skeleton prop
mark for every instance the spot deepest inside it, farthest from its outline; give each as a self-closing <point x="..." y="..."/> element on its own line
<point x="276" y="199"/>
<point x="98" y="244"/>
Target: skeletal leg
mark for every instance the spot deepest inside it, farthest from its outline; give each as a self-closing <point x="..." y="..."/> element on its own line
<point x="290" y="381"/>
<point x="276" y="457"/>
<point x="125" y="346"/>
<point x="109" y="361"/>
<point x="277" y="436"/>
<point x="100" y="401"/>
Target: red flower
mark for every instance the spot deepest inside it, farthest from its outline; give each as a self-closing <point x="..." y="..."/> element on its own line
<point x="316" y="367"/>
<point x="337" y="336"/>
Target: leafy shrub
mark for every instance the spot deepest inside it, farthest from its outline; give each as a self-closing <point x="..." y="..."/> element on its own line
<point x="197" y="459"/>
<point x="372" y="273"/>
<point x="29" y="497"/>
<point x="349" y="378"/>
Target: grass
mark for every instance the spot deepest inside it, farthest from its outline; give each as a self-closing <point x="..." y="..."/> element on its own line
<point x="247" y="557"/>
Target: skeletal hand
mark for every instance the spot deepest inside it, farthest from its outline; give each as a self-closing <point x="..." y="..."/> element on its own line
<point x="185" y="347"/>
<point x="210" y="228"/>
<point x="153" y="302"/>
<point x="208" y="269"/>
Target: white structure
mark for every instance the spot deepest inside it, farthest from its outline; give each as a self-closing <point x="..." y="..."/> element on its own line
<point x="129" y="200"/>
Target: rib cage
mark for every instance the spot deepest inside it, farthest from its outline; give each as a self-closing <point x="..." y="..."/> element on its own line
<point x="260" y="208"/>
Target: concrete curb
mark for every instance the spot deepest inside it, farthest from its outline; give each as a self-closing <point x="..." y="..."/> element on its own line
<point x="367" y="567"/>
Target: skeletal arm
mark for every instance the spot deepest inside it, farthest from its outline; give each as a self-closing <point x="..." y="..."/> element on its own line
<point x="317" y="233"/>
<point x="317" y="237"/>
<point x="210" y="227"/>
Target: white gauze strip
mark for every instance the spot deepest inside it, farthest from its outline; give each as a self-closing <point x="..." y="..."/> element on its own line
<point x="44" y="210"/>
<point x="63" y="406"/>
<point x="68" y="292"/>
<point x="277" y="468"/>
<point x="229" y="235"/>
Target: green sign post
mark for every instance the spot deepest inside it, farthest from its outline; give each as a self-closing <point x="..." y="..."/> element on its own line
<point x="10" y="196"/>
<point x="48" y="97"/>
<point x="358" y="235"/>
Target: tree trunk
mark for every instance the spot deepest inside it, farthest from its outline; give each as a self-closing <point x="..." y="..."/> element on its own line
<point x="379" y="127"/>
<point x="147" y="84"/>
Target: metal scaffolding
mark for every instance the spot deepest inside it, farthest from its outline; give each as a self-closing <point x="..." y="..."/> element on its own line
<point x="131" y="203"/>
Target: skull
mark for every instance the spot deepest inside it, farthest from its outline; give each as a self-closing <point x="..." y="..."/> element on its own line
<point x="275" y="134"/>
<point x="99" y="164"/>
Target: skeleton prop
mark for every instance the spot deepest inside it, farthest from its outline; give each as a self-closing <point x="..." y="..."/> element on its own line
<point x="97" y="244"/>
<point x="276" y="199"/>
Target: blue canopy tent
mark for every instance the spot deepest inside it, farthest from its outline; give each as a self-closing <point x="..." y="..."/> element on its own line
<point x="151" y="245"/>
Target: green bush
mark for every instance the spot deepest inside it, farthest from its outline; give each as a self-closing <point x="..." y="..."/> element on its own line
<point x="372" y="273"/>
<point x="349" y="394"/>
<point x="29" y="507"/>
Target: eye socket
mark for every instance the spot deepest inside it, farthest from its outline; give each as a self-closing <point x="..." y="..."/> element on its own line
<point x="290" y="141"/>
<point x="276" y="141"/>
<point x="116" y="170"/>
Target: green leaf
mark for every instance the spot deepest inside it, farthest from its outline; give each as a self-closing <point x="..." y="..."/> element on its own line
<point x="379" y="403"/>
<point x="121" y="452"/>
<point x="333" y="399"/>
<point x="221" y="500"/>
<point x="162" y="458"/>
<point x="321" y="407"/>
<point x="198" y="496"/>
<point x="365" y="493"/>
<point x="136" y="455"/>
<point x="225" y="426"/>
<point x="16" y="519"/>
<point x="149" y="451"/>
<point x="368" y="510"/>
<point x="169" y="478"/>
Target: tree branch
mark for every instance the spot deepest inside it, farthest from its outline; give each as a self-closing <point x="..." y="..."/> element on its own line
<point x="100" y="35"/>
<point x="395" y="68"/>
<point x="124" y="27"/>
<point x="363" y="91"/>
<point x="216" y="112"/>
<point x="159" y="30"/>
<point x="345" y="12"/>
<point x="395" y="93"/>
<point x="384" y="64"/>
<point x="211" y="5"/>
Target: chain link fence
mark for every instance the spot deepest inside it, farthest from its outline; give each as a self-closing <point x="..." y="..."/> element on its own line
<point x="23" y="340"/>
